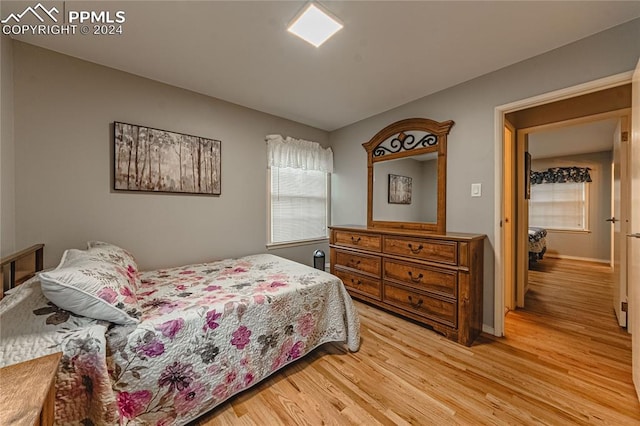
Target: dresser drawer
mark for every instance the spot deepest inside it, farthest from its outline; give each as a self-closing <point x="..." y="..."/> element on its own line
<point x="358" y="283"/>
<point x="436" y="309"/>
<point x="358" y="240"/>
<point x="360" y="262"/>
<point x="436" y="280"/>
<point x="421" y="248"/>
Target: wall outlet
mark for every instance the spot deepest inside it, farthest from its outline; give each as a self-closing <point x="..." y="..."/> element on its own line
<point x="476" y="190"/>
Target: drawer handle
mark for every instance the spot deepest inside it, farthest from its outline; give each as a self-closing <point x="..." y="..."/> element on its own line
<point x="415" y="279"/>
<point x="356" y="283"/>
<point x="354" y="240"/>
<point x="415" y="304"/>
<point x="353" y="263"/>
<point x="415" y="250"/>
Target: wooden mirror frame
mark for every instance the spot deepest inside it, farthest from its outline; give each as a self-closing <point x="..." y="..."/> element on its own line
<point x="398" y="129"/>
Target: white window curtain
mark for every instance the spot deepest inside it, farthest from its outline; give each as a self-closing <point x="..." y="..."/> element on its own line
<point x="298" y="154"/>
<point x="298" y="196"/>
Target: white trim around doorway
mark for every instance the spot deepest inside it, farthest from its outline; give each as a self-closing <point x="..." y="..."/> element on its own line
<point x="499" y="113"/>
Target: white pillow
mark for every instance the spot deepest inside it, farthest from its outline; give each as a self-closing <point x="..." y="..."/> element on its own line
<point x="86" y="285"/>
<point x="117" y="255"/>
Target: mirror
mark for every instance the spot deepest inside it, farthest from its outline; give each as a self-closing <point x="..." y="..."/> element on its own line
<point x="407" y="175"/>
<point x="406" y="189"/>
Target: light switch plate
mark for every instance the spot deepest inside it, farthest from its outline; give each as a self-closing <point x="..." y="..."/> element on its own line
<point x="476" y="190"/>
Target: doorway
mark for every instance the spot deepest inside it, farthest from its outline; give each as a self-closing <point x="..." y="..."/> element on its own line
<point x="599" y="97"/>
<point x="569" y="212"/>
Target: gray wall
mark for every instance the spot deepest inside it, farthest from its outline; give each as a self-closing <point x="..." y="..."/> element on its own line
<point x="7" y="166"/>
<point x="423" y="207"/>
<point x="64" y="110"/>
<point x="596" y="244"/>
<point x="429" y="180"/>
<point x="471" y="141"/>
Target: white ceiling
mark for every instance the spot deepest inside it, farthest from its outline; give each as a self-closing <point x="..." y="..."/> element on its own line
<point x="579" y="139"/>
<point x="389" y="52"/>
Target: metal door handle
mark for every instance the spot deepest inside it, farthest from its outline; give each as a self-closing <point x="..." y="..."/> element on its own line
<point x="612" y="220"/>
<point x="636" y="235"/>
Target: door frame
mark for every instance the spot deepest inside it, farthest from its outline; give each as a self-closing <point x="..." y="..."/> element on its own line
<point x="509" y="217"/>
<point x="522" y="219"/>
<point x="634" y="270"/>
<point x="499" y="119"/>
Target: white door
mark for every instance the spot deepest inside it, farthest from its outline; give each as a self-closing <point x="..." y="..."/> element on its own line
<point x="619" y="219"/>
<point x="634" y="235"/>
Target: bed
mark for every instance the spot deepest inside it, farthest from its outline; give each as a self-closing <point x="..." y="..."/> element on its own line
<point x="537" y="244"/>
<point x="202" y="334"/>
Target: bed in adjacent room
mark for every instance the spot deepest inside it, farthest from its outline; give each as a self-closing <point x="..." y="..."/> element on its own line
<point x="188" y="338"/>
<point x="537" y="244"/>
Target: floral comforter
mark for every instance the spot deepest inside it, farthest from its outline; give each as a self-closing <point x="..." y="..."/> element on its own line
<point x="208" y="331"/>
<point x="537" y="240"/>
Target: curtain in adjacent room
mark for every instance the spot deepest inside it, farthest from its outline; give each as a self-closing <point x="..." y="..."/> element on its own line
<point x="561" y="175"/>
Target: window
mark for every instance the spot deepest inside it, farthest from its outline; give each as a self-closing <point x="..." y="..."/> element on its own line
<point x="298" y="205"/>
<point x="561" y="206"/>
<point x="298" y="190"/>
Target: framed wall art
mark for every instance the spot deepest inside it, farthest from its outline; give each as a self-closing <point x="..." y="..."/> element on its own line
<point x="155" y="160"/>
<point x="399" y="189"/>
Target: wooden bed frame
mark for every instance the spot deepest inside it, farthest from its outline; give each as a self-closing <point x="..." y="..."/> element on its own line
<point x="21" y="266"/>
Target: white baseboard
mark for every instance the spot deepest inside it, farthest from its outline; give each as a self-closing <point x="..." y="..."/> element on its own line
<point x="584" y="259"/>
<point x="488" y="329"/>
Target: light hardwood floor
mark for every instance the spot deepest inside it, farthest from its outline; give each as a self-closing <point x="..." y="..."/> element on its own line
<point x="563" y="361"/>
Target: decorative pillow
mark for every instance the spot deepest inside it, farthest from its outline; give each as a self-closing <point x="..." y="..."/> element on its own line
<point x="117" y="255"/>
<point x="86" y="285"/>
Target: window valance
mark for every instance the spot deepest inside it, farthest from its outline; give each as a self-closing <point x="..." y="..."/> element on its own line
<point x="298" y="154"/>
<point x="561" y="175"/>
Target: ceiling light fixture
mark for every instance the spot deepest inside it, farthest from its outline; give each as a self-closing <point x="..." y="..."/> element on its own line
<point x="314" y="25"/>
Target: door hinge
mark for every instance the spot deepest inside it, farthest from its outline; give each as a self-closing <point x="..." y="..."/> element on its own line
<point x="624" y="306"/>
<point x="624" y="137"/>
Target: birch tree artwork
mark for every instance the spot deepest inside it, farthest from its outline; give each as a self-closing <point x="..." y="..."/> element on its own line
<point x="148" y="159"/>
<point x="399" y="189"/>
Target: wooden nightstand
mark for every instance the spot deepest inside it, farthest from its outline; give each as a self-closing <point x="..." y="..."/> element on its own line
<point x="27" y="391"/>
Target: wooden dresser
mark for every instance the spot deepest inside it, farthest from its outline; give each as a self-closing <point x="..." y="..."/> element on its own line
<point x="27" y="394"/>
<point x="431" y="278"/>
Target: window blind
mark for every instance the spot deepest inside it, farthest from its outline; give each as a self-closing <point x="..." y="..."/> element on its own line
<point x="559" y="206"/>
<point x="298" y="204"/>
